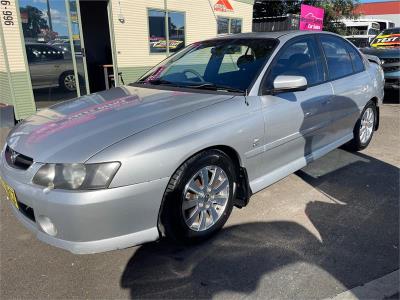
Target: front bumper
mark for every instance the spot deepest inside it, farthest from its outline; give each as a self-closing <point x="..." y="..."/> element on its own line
<point x="88" y="221"/>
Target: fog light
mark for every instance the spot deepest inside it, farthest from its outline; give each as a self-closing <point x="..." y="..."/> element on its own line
<point x="46" y="225"/>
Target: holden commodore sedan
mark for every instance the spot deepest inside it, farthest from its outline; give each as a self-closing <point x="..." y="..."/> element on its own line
<point x="171" y="154"/>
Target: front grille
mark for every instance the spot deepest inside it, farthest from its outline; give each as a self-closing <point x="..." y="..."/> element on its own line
<point x="391" y="60"/>
<point x="17" y="160"/>
<point x="27" y="211"/>
<point x="391" y="68"/>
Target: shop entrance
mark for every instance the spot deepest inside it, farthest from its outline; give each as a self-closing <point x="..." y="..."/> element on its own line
<point x="67" y="46"/>
<point x="95" y="27"/>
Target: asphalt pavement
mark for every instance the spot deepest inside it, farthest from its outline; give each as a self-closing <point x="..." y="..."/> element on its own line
<point x="328" y="228"/>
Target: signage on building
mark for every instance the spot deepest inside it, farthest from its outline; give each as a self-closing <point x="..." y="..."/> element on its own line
<point x="311" y="18"/>
<point x="223" y="6"/>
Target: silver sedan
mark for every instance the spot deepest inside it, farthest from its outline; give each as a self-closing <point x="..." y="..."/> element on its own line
<point x="174" y="152"/>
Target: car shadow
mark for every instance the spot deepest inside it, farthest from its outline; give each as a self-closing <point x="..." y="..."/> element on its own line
<point x="359" y="231"/>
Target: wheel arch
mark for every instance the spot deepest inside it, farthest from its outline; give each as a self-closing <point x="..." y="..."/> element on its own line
<point x="243" y="192"/>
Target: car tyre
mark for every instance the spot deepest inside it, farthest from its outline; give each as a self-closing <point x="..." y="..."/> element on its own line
<point x="194" y="210"/>
<point x="364" y="128"/>
<point x="67" y="81"/>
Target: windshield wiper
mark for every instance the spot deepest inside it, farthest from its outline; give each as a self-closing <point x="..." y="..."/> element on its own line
<point x="216" y="87"/>
<point x="157" y="81"/>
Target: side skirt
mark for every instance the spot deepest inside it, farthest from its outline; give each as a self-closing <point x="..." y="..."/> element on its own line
<point x="276" y="175"/>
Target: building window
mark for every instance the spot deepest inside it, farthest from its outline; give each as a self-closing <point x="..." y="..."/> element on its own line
<point x="223" y="25"/>
<point x="176" y="31"/>
<point x="228" y="25"/>
<point x="157" y="31"/>
<point x="236" y="26"/>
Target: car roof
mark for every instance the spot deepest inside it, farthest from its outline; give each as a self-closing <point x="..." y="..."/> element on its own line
<point x="272" y="35"/>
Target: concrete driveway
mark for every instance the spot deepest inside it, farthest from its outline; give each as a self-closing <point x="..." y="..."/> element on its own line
<point x="328" y="228"/>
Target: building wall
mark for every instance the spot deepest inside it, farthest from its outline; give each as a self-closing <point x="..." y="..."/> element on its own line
<point x="132" y="54"/>
<point x="14" y="68"/>
<point x="131" y="37"/>
<point x="5" y="87"/>
<point x="385" y="10"/>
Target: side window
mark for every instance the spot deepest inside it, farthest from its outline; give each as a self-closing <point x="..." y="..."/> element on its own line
<point x="301" y="58"/>
<point x="356" y="59"/>
<point x="337" y="57"/>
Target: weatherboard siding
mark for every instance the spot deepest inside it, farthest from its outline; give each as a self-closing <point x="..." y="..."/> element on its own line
<point x="132" y="35"/>
<point x="18" y="91"/>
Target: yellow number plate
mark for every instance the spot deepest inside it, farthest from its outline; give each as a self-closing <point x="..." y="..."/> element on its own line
<point x="9" y="192"/>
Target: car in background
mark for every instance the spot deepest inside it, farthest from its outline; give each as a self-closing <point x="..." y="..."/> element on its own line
<point x="386" y="46"/>
<point x="50" y="66"/>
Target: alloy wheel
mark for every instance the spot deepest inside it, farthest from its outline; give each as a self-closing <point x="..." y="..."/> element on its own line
<point x="367" y="125"/>
<point x="69" y="82"/>
<point x="205" y="198"/>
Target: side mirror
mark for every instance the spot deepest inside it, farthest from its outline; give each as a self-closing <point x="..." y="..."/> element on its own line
<point x="289" y="83"/>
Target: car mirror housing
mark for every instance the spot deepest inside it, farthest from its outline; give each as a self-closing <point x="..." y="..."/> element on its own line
<point x="289" y="83"/>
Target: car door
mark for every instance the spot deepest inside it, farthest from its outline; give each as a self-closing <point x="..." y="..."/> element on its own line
<point x="349" y="80"/>
<point x="295" y="122"/>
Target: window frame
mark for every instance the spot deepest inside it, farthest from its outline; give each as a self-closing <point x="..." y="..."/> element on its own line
<point x="290" y="42"/>
<point x="166" y="28"/>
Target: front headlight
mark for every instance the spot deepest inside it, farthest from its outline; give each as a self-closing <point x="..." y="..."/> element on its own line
<point x="76" y="176"/>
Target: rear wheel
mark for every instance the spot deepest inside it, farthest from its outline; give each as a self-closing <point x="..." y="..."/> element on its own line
<point x="199" y="197"/>
<point x="364" y="128"/>
<point x="67" y="81"/>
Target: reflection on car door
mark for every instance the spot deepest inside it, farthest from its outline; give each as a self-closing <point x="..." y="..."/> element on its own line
<point x="350" y="84"/>
<point x="295" y="122"/>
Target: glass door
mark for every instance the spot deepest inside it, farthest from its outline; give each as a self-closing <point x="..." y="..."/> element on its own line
<point x="77" y="46"/>
<point x="54" y="49"/>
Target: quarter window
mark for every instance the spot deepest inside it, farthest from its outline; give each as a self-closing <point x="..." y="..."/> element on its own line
<point x="157" y="31"/>
<point x="356" y="59"/>
<point x="337" y="57"/>
<point x="301" y="58"/>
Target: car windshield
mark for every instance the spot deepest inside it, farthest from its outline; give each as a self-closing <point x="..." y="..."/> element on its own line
<point x="387" y="38"/>
<point x="222" y="64"/>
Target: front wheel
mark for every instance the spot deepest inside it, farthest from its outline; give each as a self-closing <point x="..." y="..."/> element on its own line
<point x="364" y="128"/>
<point x="199" y="197"/>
